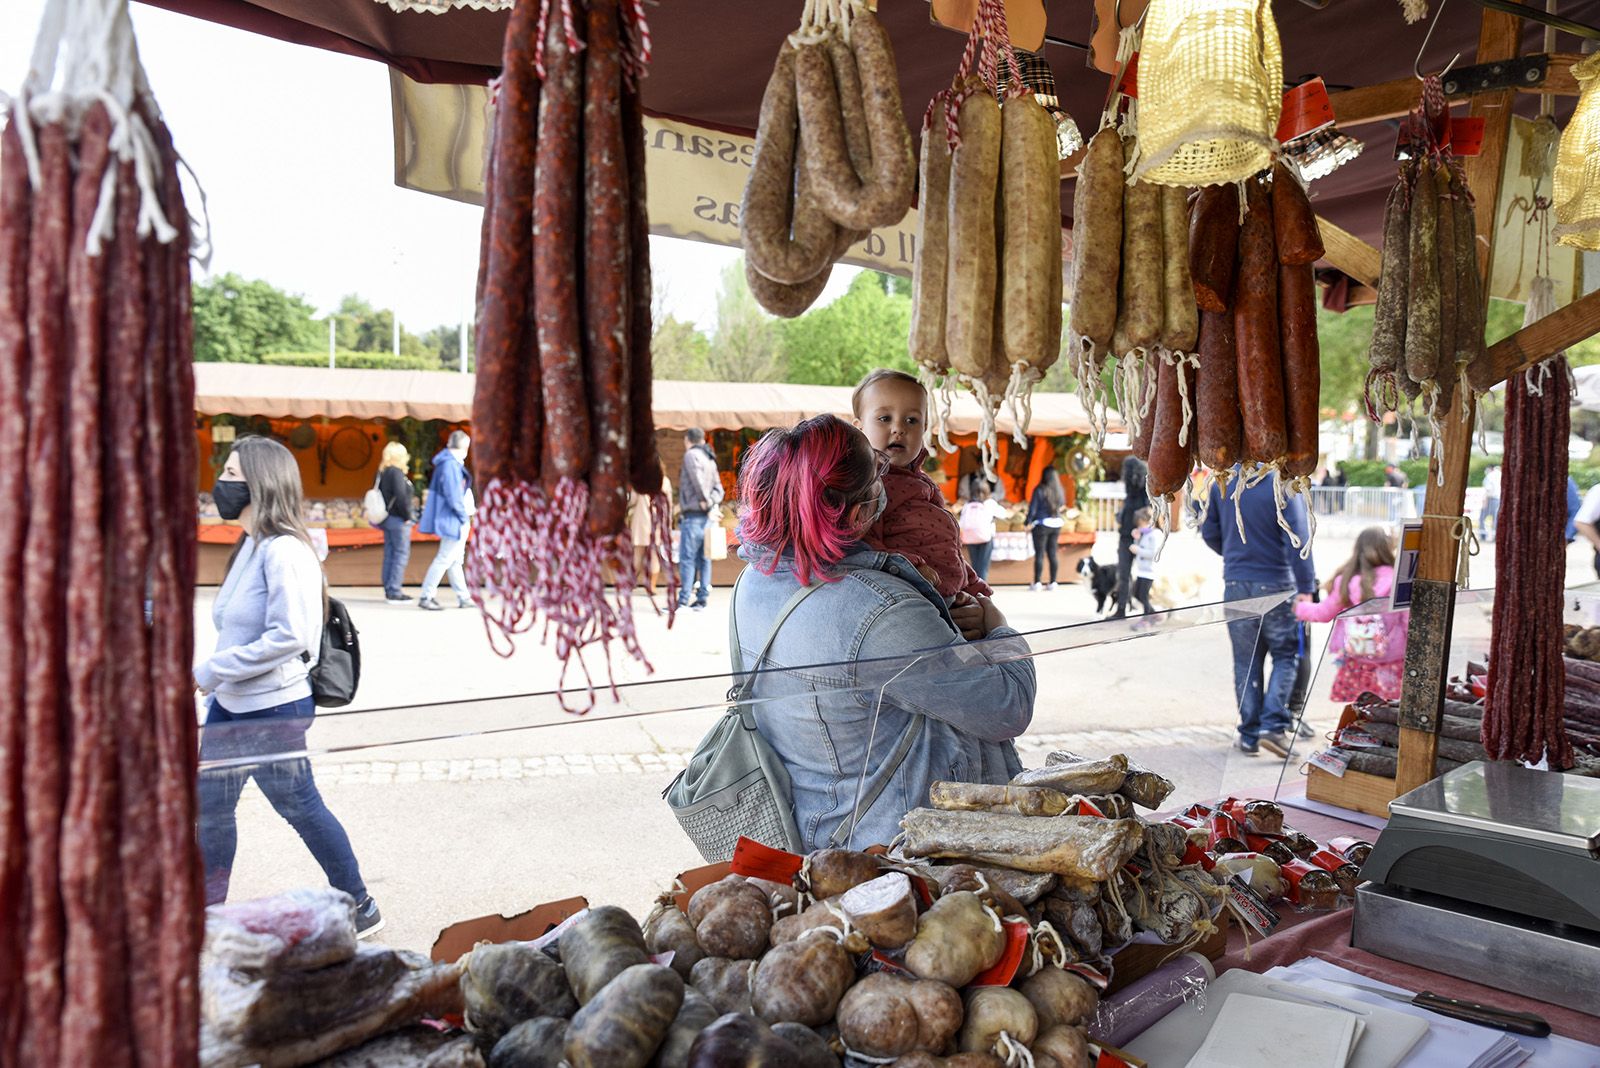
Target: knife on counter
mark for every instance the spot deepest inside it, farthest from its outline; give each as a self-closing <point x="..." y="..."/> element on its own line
<point x="1521" y="1023"/>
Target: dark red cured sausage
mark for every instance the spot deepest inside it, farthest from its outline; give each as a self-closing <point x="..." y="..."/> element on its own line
<point x="1294" y="224"/>
<point x="15" y="200"/>
<point x="557" y="197"/>
<point x="93" y="1021"/>
<point x="43" y="591"/>
<point x="123" y="418"/>
<point x="643" y="460"/>
<point x="1170" y="460"/>
<point x="1216" y="407"/>
<point x="607" y="225"/>
<point x="1145" y="402"/>
<point x="1255" y="331"/>
<point x="1213" y="239"/>
<point x="507" y="412"/>
<point x="1448" y="298"/>
<point x="170" y="381"/>
<point x="1302" y="365"/>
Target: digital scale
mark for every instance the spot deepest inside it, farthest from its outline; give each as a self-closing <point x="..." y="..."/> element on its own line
<point x="1491" y="872"/>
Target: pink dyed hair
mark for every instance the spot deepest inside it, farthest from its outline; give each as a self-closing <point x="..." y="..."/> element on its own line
<point x="798" y="486"/>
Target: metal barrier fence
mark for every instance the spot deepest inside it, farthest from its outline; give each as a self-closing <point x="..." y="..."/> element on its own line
<point x="1357" y="505"/>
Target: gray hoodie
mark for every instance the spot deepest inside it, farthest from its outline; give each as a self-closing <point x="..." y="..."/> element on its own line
<point x="699" y="488"/>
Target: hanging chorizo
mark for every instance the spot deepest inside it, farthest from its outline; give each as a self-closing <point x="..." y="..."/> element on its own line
<point x="1302" y="365"/>
<point x="1180" y="316"/>
<point x="1255" y="330"/>
<point x="1097" y="241"/>
<point x="1213" y="246"/>
<point x="1217" y="427"/>
<point x="1294" y="224"/>
<point x="973" y="273"/>
<point x="1171" y="443"/>
<point x="1422" y="294"/>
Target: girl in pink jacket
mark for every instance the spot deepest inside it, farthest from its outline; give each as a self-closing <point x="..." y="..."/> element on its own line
<point x="1370" y="649"/>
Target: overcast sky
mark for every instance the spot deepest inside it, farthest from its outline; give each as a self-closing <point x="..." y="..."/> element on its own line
<point x="295" y="150"/>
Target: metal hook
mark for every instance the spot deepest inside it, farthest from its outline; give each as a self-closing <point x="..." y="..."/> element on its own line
<point x="1416" y="64"/>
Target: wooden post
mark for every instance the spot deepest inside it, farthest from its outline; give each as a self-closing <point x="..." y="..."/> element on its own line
<point x="1434" y="593"/>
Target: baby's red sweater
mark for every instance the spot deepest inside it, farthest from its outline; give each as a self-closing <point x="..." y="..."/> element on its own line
<point x="918" y="526"/>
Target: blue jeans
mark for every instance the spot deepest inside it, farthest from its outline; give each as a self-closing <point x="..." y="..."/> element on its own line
<point x="448" y="561"/>
<point x="981" y="555"/>
<point x="288" y="784"/>
<point x="693" y="566"/>
<point x="1263" y="709"/>
<point x="396" y="553"/>
<point x="1490" y="514"/>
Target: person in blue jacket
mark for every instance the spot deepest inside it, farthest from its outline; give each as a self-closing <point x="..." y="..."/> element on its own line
<point x="1260" y="563"/>
<point x="448" y="513"/>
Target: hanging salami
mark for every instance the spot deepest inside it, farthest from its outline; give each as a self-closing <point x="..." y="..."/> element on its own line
<point x="100" y="903"/>
<point x="562" y="404"/>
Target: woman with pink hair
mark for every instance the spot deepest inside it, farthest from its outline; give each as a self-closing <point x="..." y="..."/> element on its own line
<point x="867" y="692"/>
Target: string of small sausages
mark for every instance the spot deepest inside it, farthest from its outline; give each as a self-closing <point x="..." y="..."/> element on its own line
<point x="832" y="157"/>
<point x="562" y="408"/>
<point x="101" y="909"/>
<point x="987" y="280"/>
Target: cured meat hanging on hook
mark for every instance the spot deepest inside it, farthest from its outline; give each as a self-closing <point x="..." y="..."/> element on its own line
<point x="563" y="395"/>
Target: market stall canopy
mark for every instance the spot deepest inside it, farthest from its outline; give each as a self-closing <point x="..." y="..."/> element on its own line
<point x="712" y="59"/>
<point x="312" y="392"/>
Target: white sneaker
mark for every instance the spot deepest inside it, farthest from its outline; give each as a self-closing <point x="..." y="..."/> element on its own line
<point x="1054" y="586"/>
<point x="1036" y="587"/>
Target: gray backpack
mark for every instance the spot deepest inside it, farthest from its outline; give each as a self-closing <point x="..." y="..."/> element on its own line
<point x="735" y="784"/>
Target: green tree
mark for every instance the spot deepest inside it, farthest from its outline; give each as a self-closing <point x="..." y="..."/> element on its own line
<point x="359" y="327"/>
<point x="237" y="319"/>
<point x="866" y="328"/>
<point x="678" y="351"/>
<point x="746" y="346"/>
<point x="444" y="343"/>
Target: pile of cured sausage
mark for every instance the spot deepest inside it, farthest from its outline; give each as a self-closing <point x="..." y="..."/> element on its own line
<point x="987" y="282"/>
<point x="832" y="158"/>
<point x="100" y="901"/>
<point x="1428" y="325"/>
<point x="562" y="413"/>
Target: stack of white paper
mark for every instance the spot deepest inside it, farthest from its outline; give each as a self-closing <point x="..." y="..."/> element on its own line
<point x="1249" y="1032"/>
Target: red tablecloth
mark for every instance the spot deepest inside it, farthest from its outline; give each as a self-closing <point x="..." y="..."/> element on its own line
<point x="338" y="537"/>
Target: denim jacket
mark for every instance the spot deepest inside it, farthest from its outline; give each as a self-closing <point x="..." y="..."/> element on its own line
<point x="815" y="698"/>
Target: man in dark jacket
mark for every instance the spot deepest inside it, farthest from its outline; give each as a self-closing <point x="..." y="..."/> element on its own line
<point x="699" y="492"/>
<point x="1260" y="563"/>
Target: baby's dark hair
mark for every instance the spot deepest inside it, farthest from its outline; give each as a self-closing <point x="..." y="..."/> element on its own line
<point x="882" y="374"/>
<point x="1143" y="515"/>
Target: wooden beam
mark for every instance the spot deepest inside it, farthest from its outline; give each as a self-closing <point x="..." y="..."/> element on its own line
<point x="1534" y="344"/>
<point x="1393" y="100"/>
<point x="1349" y="253"/>
<point x="1434" y="594"/>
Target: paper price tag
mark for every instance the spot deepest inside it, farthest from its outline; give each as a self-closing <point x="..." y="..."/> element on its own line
<point x="1356" y="738"/>
<point x="756" y="861"/>
<point x="1250" y="907"/>
<point x="1331" y="761"/>
<point x="1306" y="109"/>
<point x="1005" y="970"/>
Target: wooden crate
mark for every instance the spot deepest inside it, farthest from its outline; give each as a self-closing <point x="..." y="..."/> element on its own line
<point x="1355" y="790"/>
<point x="1135" y="962"/>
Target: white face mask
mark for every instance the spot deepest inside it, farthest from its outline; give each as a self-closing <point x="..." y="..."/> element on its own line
<point x="881" y="505"/>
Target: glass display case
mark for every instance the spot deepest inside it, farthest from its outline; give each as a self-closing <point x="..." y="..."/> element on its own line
<point x="495" y="804"/>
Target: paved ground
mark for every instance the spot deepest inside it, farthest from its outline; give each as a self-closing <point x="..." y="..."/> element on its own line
<point x="480" y="795"/>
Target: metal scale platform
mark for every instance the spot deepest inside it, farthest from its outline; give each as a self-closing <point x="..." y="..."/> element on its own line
<point x="1491" y="873"/>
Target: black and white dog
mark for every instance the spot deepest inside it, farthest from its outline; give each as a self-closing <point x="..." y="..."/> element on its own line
<point x="1102" y="583"/>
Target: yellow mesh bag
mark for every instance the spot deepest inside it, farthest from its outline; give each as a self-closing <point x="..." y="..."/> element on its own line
<point x="1210" y="91"/>
<point x="1577" y="183"/>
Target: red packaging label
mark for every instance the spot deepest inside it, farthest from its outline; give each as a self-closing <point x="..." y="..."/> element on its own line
<point x="1090" y="974"/>
<point x="1465" y="136"/>
<point x="1188" y="823"/>
<point x="879" y="963"/>
<point x="1085" y="808"/>
<point x="1196" y="811"/>
<point x="1306" y="109"/>
<point x="1259" y="843"/>
<point x="1327" y="860"/>
<point x="1222" y="826"/>
<point x="756" y="861"/>
<point x="1294" y="871"/>
<point x="1250" y="907"/>
<point x="1005" y="970"/>
<point x="1193" y="854"/>
<point x="1346" y="842"/>
<point x="1129" y="86"/>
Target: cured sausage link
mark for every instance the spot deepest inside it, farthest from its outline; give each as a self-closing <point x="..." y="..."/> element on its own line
<point x="1255" y="329"/>
<point x="1217" y="423"/>
<point x="880" y="196"/>
<point x="1422" y="308"/>
<point x="15" y="202"/>
<point x="1097" y="241"/>
<point x="782" y="239"/>
<point x="557" y="198"/>
<point x="1180" y="316"/>
<point x="1295" y="230"/>
<point x="1142" y="311"/>
<point x="1170" y="457"/>
<point x="605" y="272"/>
<point x="45" y="714"/>
<point x="1213" y="246"/>
<point x="932" y="263"/>
<point x="1030" y="184"/>
<point x="1387" y="353"/>
<point x="1444" y="367"/>
<point x="1302" y="365"/>
<point x="973" y="270"/>
<point x="643" y="460"/>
